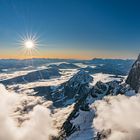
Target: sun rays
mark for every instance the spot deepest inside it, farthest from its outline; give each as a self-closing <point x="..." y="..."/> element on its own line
<point x="29" y="44"/>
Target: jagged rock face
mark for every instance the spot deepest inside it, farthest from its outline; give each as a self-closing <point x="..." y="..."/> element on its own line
<point x="77" y="88"/>
<point x="74" y="89"/>
<point x="83" y="104"/>
<point x="133" y="78"/>
<point x="68" y="127"/>
<point x="78" y="82"/>
<point x="81" y="77"/>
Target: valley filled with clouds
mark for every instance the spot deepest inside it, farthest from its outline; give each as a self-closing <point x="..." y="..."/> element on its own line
<point x="69" y="100"/>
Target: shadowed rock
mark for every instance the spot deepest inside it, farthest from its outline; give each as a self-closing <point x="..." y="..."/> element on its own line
<point x="133" y="78"/>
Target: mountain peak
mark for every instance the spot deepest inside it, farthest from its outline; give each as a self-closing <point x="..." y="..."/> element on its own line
<point x="133" y="78"/>
<point x="81" y="77"/>
<point x="138" y="57"/>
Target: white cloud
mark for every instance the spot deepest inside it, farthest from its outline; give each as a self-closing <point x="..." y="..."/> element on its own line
<point x="121" y="114"/>
<point x="38" y="126"/>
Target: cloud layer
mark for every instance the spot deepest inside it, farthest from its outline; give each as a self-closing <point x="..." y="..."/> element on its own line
<point x="38" y="126"/>
<point x="120" y="115"/>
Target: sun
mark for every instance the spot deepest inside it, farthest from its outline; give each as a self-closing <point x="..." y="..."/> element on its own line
<point x="29" y="44"/>
<point x="29" y="41"/>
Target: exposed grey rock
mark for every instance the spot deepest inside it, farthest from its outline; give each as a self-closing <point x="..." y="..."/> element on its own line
<point x="133" y="78"/>
<point x="75" y="88"/>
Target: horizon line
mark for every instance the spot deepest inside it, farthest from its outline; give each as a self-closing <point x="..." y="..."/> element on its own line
<point x="14" y="58"/>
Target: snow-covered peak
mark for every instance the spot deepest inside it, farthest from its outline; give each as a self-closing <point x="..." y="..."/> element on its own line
<point x="81" y="77"/>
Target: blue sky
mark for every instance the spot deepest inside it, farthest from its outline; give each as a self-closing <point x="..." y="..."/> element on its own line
<point x="72" y="28"/>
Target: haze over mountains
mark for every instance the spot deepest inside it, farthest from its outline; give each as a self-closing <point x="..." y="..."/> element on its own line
<point x="70" y="99"/>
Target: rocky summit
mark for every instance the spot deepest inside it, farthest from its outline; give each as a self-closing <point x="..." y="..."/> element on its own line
<point x="133" y="78"/>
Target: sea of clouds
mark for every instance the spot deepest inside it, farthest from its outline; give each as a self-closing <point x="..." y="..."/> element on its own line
<point x="37" y="124"/>
<point x="119" y="116"/>
<point x="29" y="118"/>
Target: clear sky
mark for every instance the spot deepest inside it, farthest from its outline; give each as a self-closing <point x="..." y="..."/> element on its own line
<point x="81" y="29"/>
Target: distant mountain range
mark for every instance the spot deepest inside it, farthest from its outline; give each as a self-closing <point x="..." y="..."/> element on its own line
<point x="77" y="91"/>
<point x="17" y="63"/>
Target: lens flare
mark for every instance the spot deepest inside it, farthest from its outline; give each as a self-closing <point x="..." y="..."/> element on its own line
<point x="29" y="45"/>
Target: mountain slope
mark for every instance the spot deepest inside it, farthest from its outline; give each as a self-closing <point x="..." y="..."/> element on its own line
<point x="133" y="78"/>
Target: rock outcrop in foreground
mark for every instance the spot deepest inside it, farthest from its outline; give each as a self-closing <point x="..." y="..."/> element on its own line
<point x="133" y="78"/>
